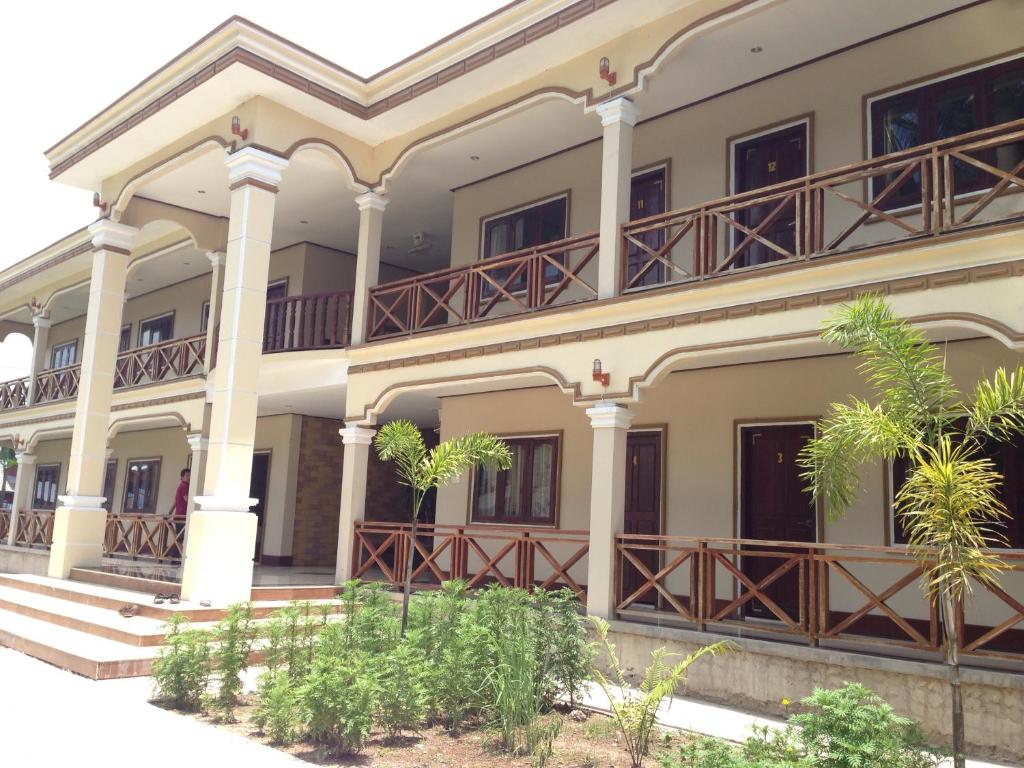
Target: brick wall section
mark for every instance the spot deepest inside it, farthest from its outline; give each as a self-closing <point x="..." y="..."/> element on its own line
<point x="318" y="492"/>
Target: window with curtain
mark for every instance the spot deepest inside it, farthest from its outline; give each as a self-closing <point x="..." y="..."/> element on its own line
<point x="142" y="480"/>
<point x="944" y="109"/>
<point x="535" y="225"/>
<point x="64" y="355"/>
<point x="44" y="495"/>
<point x="156" y="329"/>
<point x="524" y="494"/>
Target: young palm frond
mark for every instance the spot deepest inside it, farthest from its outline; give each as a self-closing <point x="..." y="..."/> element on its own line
<point x="851" y="436"/>
<point x="950" y="511"/>
<point x="447" y="461"/>
<point x="997" y="410"/>
<point x="401" y="442"/>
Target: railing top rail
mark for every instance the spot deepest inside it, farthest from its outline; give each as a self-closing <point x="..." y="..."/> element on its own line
<point x="20" y="380"/>
<point x="165" y="343"/>
<point x="54" y="371"/>
<point x="852" y="172"/>
<point x="307" y="296"/>
<point x="472" y="528"/>
<point x="495" y="262"/>
<point x="818" y="547"/>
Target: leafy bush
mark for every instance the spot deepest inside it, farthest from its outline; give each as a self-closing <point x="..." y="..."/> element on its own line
<point x="634" y="710"/>
<point x="337" y="699"/>
<point x="181" y="670"/>
<point x="402" y="697"/>
<point x="569" y="650"/>
<point x="850" y="727"/>
<point x="277" y="711"/>
<point x="233" y="640"/>
<point x="372" y="623"/>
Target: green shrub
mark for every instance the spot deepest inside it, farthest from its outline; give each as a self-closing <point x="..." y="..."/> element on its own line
<point x="372" y="624"/>
<point x="233" y="640"/>
<point x="277" y="711"/>
<point x="850" y="727"/>
<point x="181" y="670"/>
<point x="705" y="752"/>
<point x="337" y="698"/>
<point x="566" y="653"/>
<point x="634" y="709"/>
<point x="401" y="695"/>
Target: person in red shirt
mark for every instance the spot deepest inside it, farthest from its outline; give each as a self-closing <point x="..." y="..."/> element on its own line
<point x="179" y="511"/>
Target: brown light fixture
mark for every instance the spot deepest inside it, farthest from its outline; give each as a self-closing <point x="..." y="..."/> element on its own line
<point x="756" y="49"/>
<point x="599" y="374"/>
<point x="238" y="130"/>
<point x="604" y="69"/>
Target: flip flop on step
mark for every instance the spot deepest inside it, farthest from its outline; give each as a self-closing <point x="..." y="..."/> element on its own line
<point x="128" y="610"/>
<point x="174" y="599"/>
<point x="160" y="598"/>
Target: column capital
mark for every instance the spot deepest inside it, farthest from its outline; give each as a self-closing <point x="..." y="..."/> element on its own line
<point x="41" y="321"/>
<point x="197" y="442"/>
<point x="249" y="164"/>
<point x="376" y="201"/>
<point x="610" y="416"/>
<point x="620" y="110"/>
<point x="356" y="434"/>
<point x="24" y="457"/>
<point x="217" y="258"/>
<point x="108" y="235"/>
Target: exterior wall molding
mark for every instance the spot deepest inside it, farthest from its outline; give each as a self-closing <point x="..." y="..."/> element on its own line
<point x="618" y="110"/>
<point x="607" y="415"/>
<point x="374" y="201"/>
<point x="255" y="167"/>
<point x="109" y="235"/>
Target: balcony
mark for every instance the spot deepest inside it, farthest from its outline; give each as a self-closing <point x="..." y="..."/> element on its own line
<point x="957" y="185"/>
<point x="293" y="323"/>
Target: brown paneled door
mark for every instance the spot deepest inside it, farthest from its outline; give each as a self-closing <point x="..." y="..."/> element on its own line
<point x="258" y="481"/>
<point x="643" y="506"/>
<point x="761" y="162"/>
<point x="774" y="506"/>
<point x="646" y="198"/>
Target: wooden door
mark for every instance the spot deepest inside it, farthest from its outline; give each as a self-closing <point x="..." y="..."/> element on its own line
<point x="760" y="162"/>
<point x="642" y="513"/>
<point x="646" y="198"/>
<point x="774" y="506"/>
<point x="258" y="481"/>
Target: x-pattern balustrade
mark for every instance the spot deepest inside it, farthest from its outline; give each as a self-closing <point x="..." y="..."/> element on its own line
<point x="171" y="359"/>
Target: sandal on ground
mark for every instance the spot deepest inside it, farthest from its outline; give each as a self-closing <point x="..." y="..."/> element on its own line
<point x="128" y="610"/>
<point x="159" y="598"/>
<point x="174" y="599"/>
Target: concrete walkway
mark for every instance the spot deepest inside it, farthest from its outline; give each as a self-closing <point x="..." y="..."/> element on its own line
<point x="49" y="717"/>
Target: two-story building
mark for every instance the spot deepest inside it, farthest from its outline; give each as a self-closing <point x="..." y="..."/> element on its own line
<point x="607" y="231"/>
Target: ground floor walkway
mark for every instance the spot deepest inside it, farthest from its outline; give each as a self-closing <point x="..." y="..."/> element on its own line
<point x="110" y="723"/>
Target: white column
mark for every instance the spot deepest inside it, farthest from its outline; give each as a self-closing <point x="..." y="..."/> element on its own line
<point x="618" y="117"/>
<point x="80" y="521"/>
<point x="198" y="445"/>
<point x="222" y="531"/>
<point x="607" y="502"/>
<point x="357" y="440"/>
<point x="371" y="223"/>
<point x="23" y="483"/>
<point x="216" y="290"/>
<point x="40" y="342"/>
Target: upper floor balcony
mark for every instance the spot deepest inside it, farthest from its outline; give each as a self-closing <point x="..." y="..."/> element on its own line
<point x="940" y="190"/>
<point x="292" y="323"/>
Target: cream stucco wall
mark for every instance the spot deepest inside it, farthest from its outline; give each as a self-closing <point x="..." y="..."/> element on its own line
<point x="279" y="435"/>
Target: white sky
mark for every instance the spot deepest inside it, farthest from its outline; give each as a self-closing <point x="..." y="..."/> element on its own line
<point x="63" y="61"/>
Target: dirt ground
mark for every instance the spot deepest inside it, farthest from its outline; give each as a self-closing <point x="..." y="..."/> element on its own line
<point x="586" y="740"/>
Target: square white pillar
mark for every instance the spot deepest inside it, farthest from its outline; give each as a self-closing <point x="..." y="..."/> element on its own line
<point x="611" y="423"/>
<point x="355" y="462"/>
<point x="23" y="483"/>
<point x="371" y="225"/>
<point x="40" y="342"/>
<point x="618" y="117"/>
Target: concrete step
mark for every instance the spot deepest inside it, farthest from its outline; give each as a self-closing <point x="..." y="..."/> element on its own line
<point x="147" y="585"/>
<point x="139" y="631"/>
<point x="97" y="658"/>
<point x="288" y="593"/>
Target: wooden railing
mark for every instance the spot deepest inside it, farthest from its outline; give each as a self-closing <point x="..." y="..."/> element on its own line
<point x="524" y="281"/>
<point x="34" y="528"/>
<point x="159" y="362"/>
<point x="480" y="555"/>
<point x="816" y="592"/>
<point x="57" y="384"/>
<point x="313" y="321"/>
<point x="144" y="536"/>
<point x="954" y="184"/>
<point x="5" y="524"/>
<point x="14" y="394"/>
